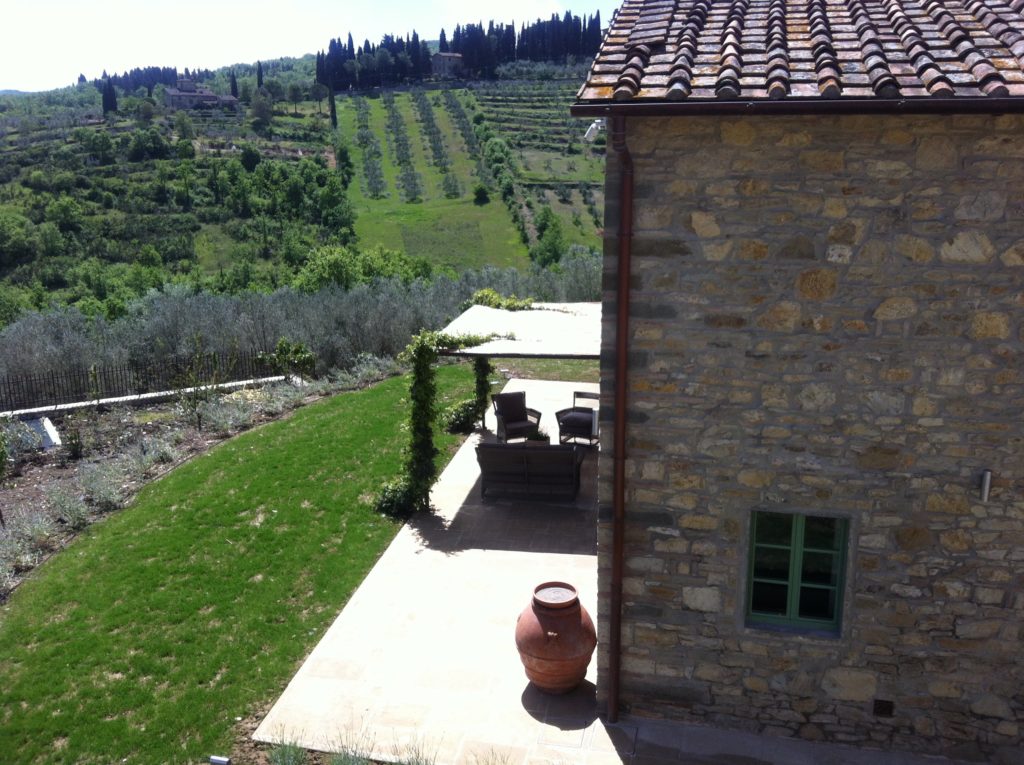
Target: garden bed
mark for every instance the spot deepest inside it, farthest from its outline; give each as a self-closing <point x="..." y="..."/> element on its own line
<point x="110" y="452"/>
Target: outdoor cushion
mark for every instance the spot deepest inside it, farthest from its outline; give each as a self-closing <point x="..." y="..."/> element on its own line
<point x="578" y="421"/>
<point x="510" y="406"/>
<point x="515" y="418"/>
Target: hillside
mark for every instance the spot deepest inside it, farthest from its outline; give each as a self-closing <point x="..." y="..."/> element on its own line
<point x="451" y="230"/>
<point x="95" y="211"/>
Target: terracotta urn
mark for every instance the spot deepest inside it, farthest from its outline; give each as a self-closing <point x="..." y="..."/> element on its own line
<point x="555" y="637"/>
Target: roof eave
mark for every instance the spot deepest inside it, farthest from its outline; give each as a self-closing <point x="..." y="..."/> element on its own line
<point x="961" y="105"/>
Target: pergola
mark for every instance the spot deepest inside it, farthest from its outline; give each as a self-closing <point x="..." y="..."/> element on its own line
<point x="547" y="330"/>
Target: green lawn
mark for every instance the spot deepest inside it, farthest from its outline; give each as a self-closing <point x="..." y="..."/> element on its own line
<point x="147" y="638"/>
<point x="575" y="370"/>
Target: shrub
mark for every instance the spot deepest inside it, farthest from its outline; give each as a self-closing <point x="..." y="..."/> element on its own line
<point x="481" y="194"/>
<point x="149" y="452"/>
<point x="291" y="358"/>
<point x="102" y="486"/>
<point x="279" y="398"/>
<point x="75" y="432"/>
<point x="288" y="754"/>
<point x="73" y="443"/>
<point x="18" y="442"/>
<point x="490" y="298"/>
<point x="366" y="369"/>
<point x="68" y="509"/>
<point x="37" y="529"/>
<point x="343" y="758"/>
<point x="397" y="499"/>
<point x="225" y="414"/>
<point x="15" y="554"/>
<point x="461" y="417"/>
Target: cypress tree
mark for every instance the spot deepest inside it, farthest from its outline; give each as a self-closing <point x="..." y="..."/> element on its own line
<point x="259" y="74"/>
<point x="415" y="51"/>
<point x="234" y="84"/>
<point x="333" y="109"/>
<point x="442" y="43"/>
<point x="109" y="97"/>
<point x="594" y="35"/>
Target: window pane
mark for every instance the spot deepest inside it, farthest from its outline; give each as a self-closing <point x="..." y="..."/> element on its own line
<point x="769" y="598"/>
<point x="822" y="533"/>
<point x="820" y="568"/>
<point x="771" y="563"/>
<point x="817" y="603"/>
<point x="774" y="528"/>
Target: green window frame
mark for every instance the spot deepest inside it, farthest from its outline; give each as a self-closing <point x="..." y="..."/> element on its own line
<point x="796" y="571"/>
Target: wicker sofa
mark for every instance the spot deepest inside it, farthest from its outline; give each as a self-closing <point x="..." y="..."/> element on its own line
<point x="530" y="468"/>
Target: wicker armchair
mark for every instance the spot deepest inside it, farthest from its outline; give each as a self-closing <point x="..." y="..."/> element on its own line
<point x="515" y="418"/>
<point x="578" y="422"/>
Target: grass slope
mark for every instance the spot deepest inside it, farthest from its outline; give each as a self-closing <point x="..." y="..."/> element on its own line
<point x="146" y="638"/>
<point x="450" y="233"/>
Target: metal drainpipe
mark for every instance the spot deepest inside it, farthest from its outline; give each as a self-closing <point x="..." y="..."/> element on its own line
<point x="625" y="242"/>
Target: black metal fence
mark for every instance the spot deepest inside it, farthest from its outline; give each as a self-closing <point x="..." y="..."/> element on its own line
<point x="112" y="381"/>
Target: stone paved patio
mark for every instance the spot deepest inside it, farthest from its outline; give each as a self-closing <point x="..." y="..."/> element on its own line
<point x="422" y="659"/>
<point x="423" y="656"/>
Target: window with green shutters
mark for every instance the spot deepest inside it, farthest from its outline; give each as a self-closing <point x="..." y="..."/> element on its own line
<point x="797" y="564"/>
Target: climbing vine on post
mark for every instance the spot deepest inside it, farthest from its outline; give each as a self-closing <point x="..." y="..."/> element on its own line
<point x="411" y="492"/>
<point x="483" y="370"/>
<point x="419" y="462"/>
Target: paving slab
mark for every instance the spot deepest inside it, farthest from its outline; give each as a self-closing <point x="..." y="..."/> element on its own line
<point x="422" y="660"/>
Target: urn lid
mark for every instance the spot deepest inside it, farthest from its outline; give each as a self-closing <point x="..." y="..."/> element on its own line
<point x="555" y="595"/>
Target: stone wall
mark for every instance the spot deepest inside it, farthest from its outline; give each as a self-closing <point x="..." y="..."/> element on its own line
<point x="826" y="317"/>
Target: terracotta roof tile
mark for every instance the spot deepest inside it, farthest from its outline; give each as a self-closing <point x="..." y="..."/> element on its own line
<point x="751" y="50"/>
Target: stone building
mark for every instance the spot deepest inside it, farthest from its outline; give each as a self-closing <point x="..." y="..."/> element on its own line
<point x="446" y="66"/>
<point x="192" y="95"/>
<point x="812" y="481"/>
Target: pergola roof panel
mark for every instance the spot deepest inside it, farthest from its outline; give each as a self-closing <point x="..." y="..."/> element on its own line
<point x="548" y="330"/>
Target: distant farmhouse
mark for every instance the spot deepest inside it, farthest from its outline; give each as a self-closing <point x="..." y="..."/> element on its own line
<point x="191" y="95"/>
<point x="446" y="65"/>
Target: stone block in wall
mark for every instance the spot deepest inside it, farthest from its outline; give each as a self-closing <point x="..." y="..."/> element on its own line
<point x="847" y="684"/>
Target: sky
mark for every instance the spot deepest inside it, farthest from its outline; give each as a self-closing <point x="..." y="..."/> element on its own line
<point x="45" y="44"/>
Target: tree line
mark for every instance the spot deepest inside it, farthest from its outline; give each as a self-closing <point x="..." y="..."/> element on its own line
<point x="397" y="59"/>
<point x="558" y="39"/>
<point x="147" y="77"/>
<point x="483" y="49"/>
